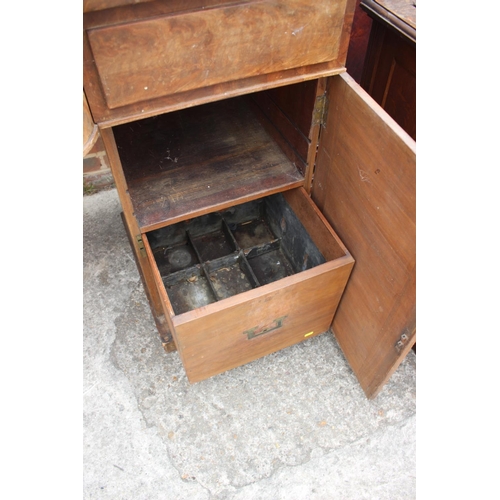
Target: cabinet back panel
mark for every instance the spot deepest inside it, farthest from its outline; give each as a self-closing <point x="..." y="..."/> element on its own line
<point x="290" y="111"/>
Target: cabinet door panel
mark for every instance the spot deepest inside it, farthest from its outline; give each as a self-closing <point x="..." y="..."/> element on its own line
<point x="365" y="186"/>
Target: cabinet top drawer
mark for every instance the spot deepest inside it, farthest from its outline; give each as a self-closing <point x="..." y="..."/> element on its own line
<point x="152" y="50"/>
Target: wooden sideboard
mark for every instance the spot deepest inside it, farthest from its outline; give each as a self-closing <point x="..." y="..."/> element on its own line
<point x="266" y="196"/>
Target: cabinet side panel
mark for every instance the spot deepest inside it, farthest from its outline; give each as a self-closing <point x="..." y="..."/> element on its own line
<point x="365" y="186"/>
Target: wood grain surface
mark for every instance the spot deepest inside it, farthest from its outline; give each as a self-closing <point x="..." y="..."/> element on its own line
<point x="94" y="5"/>
<point x="197" y="160"/>
<point x="406" y="10"/>
<point x="212" y="339"/>
<point x="365" y="186"/>
<point x="150" y="58"/>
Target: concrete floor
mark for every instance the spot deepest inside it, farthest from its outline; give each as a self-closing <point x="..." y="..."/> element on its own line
<point x="294" y="425"/>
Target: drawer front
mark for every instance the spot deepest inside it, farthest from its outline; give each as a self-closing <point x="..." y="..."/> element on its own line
<point x="181" y="51"/>
<point x="217" y="335"/>
<point x="262" y="324"/>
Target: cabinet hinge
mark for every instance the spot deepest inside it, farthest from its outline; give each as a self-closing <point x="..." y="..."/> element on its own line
<point x="403" y="340"/>
<point x="320" y="110"/>
<point x="140" y="245"/>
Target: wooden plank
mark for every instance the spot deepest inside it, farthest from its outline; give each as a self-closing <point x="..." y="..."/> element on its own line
<point x="365" y="186"/>
<point x="198" y="160"/>
<point x="150" y="58"/>
<point x="93" y="5"/>
<point x="127" y="11"/>
<point x="106" y="117"/>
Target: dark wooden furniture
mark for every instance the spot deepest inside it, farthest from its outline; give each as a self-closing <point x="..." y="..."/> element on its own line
<point x="265" y="195"/>
<point x="389" y="73"/>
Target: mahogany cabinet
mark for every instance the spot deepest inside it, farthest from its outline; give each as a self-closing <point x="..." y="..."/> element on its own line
<point x="266" y="196"/>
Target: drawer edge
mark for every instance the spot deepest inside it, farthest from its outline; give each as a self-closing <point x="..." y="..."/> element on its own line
<point x="265" y="290"/>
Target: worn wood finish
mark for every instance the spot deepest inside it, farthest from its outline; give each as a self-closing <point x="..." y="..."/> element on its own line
<point x="400" y="15"/>
<point x="225" y="90"/>
<point x="159" y="289"/>
<point x="283" y="125"/>
<point x="130" y="221"/>
<point x="166" y="60"/>
<point x="405" y="10"/>
<point x="314" y="132"/>
<point x="365" y="186"/>
<point x="186" y="50"/>
<point x="296" y="102"/>
<point x="288" y="115"/>
<point x="292" y="122"/>
<point x="132" y="11"/>
<point x="277" y="135"/>
<point x="198" y="160"/>
<point x="316" y="225"/>
<point x="90" y="129"/>
<point x="212" y="339"/>
<point x="261" y="79"/>
<point x="94" y="5"/>
<point x="153" y="296"/>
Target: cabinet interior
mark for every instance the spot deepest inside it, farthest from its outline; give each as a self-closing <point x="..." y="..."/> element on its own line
<point x="221" y="254"/>
<point x="186" y="163"/>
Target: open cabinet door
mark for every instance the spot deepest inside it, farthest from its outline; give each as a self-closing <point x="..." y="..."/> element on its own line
<point x="364" y="184"/>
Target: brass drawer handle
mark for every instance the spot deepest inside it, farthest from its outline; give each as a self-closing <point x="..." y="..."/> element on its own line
<point x="254" y="332"/>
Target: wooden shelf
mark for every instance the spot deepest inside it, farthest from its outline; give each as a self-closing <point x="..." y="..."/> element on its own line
<point x="191" y="162"/>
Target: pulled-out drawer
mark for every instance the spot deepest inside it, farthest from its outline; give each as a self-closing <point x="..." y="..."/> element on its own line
<point x="247" y="281"/>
